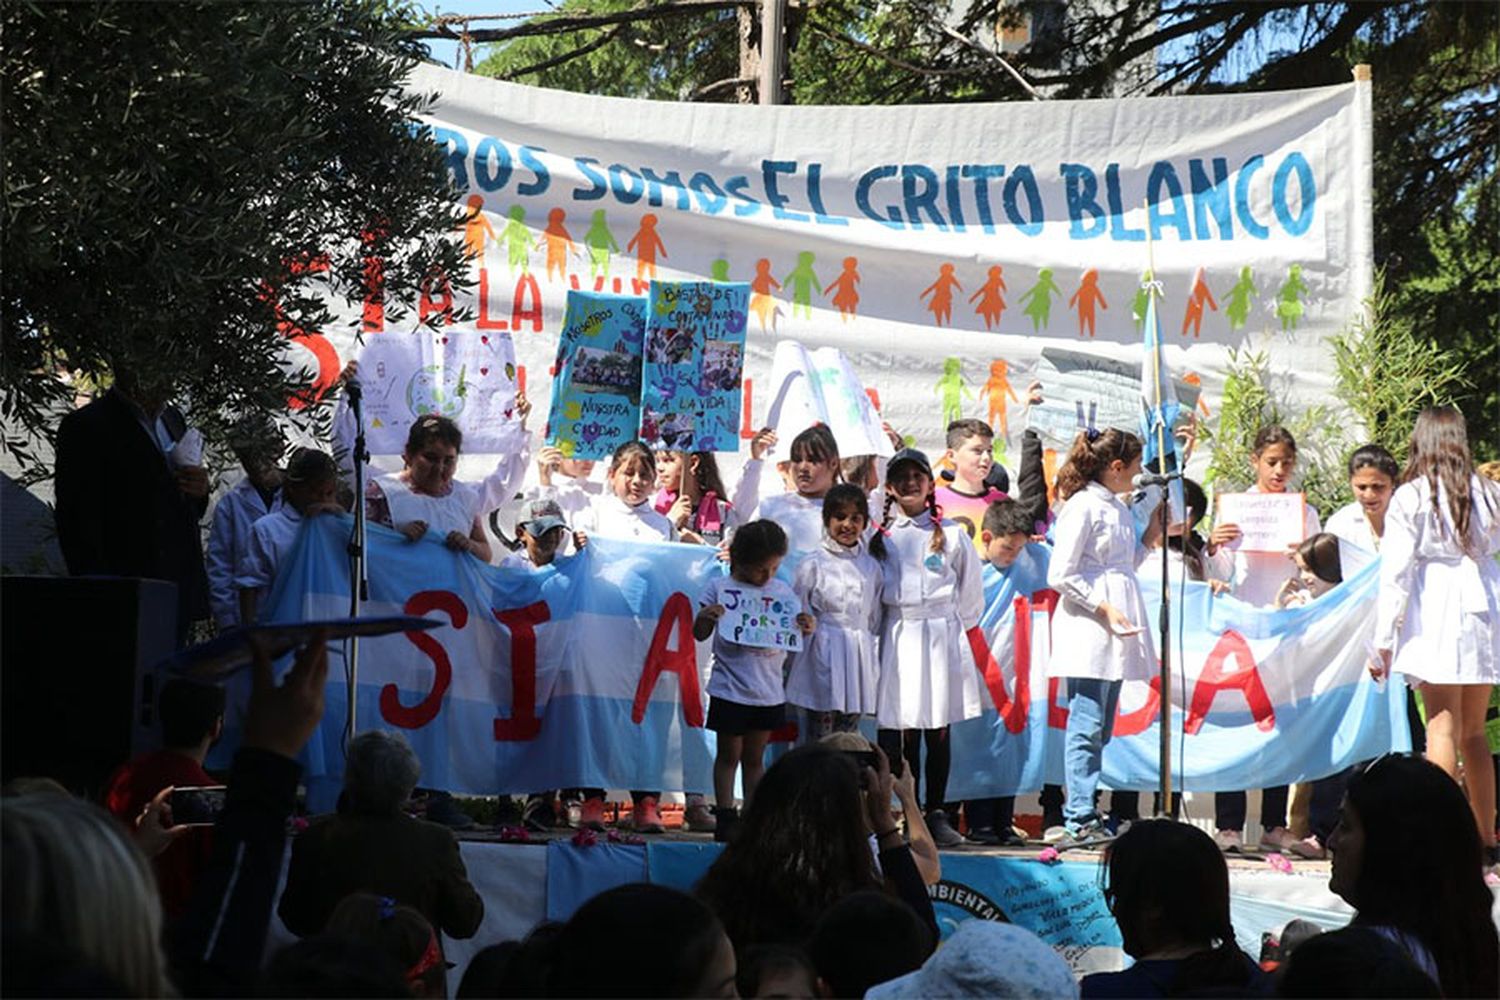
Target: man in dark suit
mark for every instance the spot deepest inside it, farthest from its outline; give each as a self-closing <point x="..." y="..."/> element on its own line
<point x="123" y="508"/>
<point x="370" y="845"/>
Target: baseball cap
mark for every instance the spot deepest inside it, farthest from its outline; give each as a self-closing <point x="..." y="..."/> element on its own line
<point x="540" y="516"/>
<point x="909" y="455"/>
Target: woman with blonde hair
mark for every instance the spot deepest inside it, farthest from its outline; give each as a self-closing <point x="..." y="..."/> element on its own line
<point x="1438" y="614"/>
<point x="74" y="880"/>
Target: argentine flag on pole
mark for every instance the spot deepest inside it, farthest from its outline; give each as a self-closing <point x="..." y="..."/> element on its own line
<point x="1159" y="406"/>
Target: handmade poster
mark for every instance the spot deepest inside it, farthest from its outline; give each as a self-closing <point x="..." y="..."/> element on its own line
<point x="757" y="617"/>
<point x="821" y="387"/>
<point x="695" y="354"/>
<point x="596" y="393"/>
<point x="1083" y="390"/>
<point x="1268" y="522"/>
<point x="463" y="374"/>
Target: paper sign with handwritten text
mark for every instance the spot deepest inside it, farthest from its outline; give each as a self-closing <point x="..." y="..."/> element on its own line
<point x="1268" y="522"/>
<point x="596" y="397"/>
<point x="695" y="356"/>
<point x="760" y="617"/>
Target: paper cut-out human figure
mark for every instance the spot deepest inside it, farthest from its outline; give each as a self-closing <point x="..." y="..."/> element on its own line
<point x="1193" y="379"/>
<point x="762" y="301"/>
<point x="477" y="227"/>
<point x="1198" y="297"/>
<point x="995" y="390"/>
<point x="601" y="243"/>
<point x="1085" y="299"/>
<point x="952" y="388"/>
<point x="718" y="270"/>
<point x="558" y="243"/>
<point x="517" y="240"/>
<point x="1237" y="309"/>
<point x="646" y="244"/>
<point x="1289" y="307"/>
<point x="1140" y="301"/>
<point x="991" y="297"/>
<point x="941" y="305"/>
<point x="845" y="289"/>
<point x="1038" y="299"/>
<point x="803" y="282"/>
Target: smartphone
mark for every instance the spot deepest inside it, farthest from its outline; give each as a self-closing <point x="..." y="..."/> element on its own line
<point x="197" y="806"/>
<point x="228" y="653"/>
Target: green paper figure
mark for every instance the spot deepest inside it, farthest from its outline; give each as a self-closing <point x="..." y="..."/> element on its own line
<point x="517" y="240"/>
<point x="1039" y="299"/>
<point x="802" y="282"/>
<point x="719" y="270"/>
<point x="1141" y="301"/>
<point x="1289" y="305"/>
<point x="1237" y="309"/>
<point x="601" y="243"/>
<point x="952" y="388"/>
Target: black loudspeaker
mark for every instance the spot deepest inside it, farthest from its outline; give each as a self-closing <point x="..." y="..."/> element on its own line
<point x="78" y="680"/>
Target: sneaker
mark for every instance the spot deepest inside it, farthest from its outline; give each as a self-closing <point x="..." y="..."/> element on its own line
<point x="591" y="814"/>
<point x="645" y="818"/>
<point x="985" y="835"/>
<point x="1277" y="839"/>
<point x="1081" y="835"/>
<point x="441" y="808"/>
<point x="697" y="818"/>
<point x="1229" y="841"/>
<point x="1055" y="834"/>
<point x="1309" y="847"/>
<point x="538" y="816"/>
<point x="942" y="831"/>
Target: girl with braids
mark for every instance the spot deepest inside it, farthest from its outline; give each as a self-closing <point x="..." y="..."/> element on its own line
<point x="836" y="675"/>
<point x="1098" y="634"/>
<point x="1438" y="614"/>
<point x="933" y="594"/>
<point x="693" y="498"/>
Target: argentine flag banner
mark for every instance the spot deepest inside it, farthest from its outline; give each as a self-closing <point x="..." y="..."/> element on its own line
<point x="585" y="673"/>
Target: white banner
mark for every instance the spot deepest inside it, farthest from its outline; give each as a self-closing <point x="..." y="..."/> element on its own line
<point x="941" y="248"/>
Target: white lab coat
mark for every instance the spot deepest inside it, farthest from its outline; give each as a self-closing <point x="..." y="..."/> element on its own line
<point x="838" y="670"/>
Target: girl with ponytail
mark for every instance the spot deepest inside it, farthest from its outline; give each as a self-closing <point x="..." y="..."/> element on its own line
<point x="1098" y="634"/>
<point x="933" y="594"/>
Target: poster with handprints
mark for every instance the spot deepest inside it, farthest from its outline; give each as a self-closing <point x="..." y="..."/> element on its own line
<point x="1086" y="390"/>
<point x="694" y="362"/>
<point x="756" y="617"/>
<point x="820" y="387"/>
<point x="596" y="393"/>
<point x="462" y="374"/>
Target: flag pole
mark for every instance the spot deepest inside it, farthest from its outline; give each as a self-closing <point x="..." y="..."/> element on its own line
<point x="1164" y="777"/>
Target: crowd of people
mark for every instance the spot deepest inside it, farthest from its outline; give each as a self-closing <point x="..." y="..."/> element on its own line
<point x="821" y="888"/>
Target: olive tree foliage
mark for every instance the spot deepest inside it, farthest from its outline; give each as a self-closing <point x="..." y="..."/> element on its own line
<point x="186" y="185"/>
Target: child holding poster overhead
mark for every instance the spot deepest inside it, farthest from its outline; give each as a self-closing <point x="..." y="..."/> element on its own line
<point x="933" y="594"/>
<point x="746" y="700"/>
<point x="835" y="677"/>
<point x="1258" y="579"/>
<point x="813" y="470"/>
<point x="1099" y="633"/>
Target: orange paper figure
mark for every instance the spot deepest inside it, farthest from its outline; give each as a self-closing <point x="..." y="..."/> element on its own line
<point x="476" y="227"/>
<point x="646" y="244"/>
<point x="942" y="290"/>
<point x="1198" y="297"/>
<point x="558" y="243"/>
<point x="845" y="290"/>
<point x="762" y="301"/>
<point x="1049" y="473"/>
<point x="1085" y="299"/>
<point x="991" y="298"/>
<point x="1192" y="379"/>
<point x="995" y="390"/>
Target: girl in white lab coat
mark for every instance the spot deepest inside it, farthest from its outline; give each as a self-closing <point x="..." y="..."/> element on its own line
<point x="1373" y="474"/>
<point x="933" y="594"/>
<point x="1099" y="638"/>
<point x="1438" y="614"/>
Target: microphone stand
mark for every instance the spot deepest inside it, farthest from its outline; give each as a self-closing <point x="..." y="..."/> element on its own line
<point x="1164" y="624"/>
<point x="359" y="578"/>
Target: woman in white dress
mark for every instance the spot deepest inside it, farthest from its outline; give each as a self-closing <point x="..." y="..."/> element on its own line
<point x="1438" y="615"/>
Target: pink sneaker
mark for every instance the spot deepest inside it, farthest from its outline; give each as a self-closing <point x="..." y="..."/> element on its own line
<point x="645" y="816"/>
<point x="1277" y="839"/>
<point x="1309" y="847"/>
<point x="591" y="814"/>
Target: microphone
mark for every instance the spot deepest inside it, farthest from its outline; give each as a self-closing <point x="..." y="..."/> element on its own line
<point x="1144" y="479"/>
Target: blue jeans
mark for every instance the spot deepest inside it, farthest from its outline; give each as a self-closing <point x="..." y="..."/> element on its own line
<point x="1091" y="720"/>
